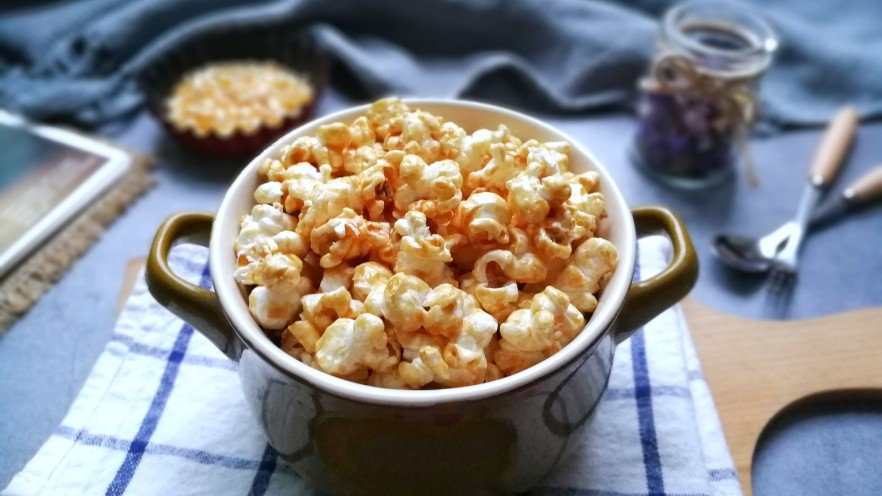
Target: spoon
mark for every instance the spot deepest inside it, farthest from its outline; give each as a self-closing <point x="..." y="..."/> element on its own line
<point x="756" y="255"/>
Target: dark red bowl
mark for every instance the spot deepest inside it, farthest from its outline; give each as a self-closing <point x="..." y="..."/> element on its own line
<point x="294" y="50"/>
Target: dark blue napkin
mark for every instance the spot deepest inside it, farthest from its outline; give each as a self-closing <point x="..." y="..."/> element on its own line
<point x="77" y="61"/>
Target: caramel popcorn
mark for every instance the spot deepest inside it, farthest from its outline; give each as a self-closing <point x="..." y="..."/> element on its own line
<point x="401" y="251"/>
<point x="229" y="97"/>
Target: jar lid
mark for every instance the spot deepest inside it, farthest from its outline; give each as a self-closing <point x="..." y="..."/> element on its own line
<point x="724" y="39"/>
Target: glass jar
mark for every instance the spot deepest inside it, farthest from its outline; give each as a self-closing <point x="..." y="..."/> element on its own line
<point x="698" y="99"/>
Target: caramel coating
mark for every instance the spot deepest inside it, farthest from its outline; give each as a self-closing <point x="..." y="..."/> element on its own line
<point x="401" y="251"/>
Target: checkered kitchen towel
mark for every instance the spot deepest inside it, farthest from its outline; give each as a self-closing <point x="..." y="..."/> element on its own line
<point x="162" y="413"/>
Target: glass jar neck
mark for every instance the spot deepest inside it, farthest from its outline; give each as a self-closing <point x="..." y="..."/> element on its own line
<point x="722" y="39"/>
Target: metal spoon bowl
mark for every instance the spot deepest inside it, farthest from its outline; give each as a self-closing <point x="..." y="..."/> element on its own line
<point x="751" y="255"/>
<point x="756" y="256"/>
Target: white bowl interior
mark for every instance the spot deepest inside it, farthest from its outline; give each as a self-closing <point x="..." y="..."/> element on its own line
<point x="238" y="201"/>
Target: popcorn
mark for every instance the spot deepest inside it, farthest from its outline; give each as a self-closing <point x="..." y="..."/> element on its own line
<point x="369" y="283"/>
<point x="300" y="184"/>
<point x="334" y="136"/>
<point x="519" y="263"/>
<point x="359" y="159"/>
<point x="279" y="271"/>
<point x="353" y="192"/>
<point x="303" y="334"/>
<point x="336" y="277"/>
<point x="585" y="205"/>
<point x="551" y="321"/>
<point x="527" y="330"/>
<point x="466" y="354"/>
<point x="445" y="310"/>
<point x="434" y="189"/>
<point x="275" y="309"/>
<point x="389" y="380"/>
<point x="455" y="314"/>
<point x="401" y="251"/>
<point x="592" y="261"/>
<point x="552" y="239"/>
<point x="320" y="310"/>
<point x="402" y="306"/>
<point x="415" y="373"/>
<point x="265" y="221"/>
<point x="271" y="169"/>
<point x="306" y="149"/>
<point x="327" y="203"/>
<point x="349" y="236"/>
<point x="476" y="148"/>
<point x="493" y="373"/>
<point x="431" y="357"/>
<point x="348" y="345"/>
<point x="361" y="134"/>
<point x="385" y="117"/>
<point x="269" y="193"/>
<point x="367" y="277"/>
<point x="418" y="129"/>
<point x="498" y="301"/>
<point x="422" y="253"/>
<point x="484" y="217"/>
<point x="546" y="159"/>
<point x="451" y="139"/>
<point x="446" y="336"/>
<point x="266" y="231"/>
<point x="496" y="174"/>
<point x="531" y="198"/>
<point x="511" y="360"/>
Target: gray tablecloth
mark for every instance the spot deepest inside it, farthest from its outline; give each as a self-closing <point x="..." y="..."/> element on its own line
<point x="76" y="60"/>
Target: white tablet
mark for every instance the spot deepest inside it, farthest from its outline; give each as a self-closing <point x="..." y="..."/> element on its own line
<point x="47" y="176"/>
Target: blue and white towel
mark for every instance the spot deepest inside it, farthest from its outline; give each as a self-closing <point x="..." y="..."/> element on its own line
<point x="162" y="413"/>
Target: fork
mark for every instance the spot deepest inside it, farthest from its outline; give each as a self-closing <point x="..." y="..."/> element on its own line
<point x="782" y="278"/>
<point x="785" y="264"/>
<point x="828" y="160"/>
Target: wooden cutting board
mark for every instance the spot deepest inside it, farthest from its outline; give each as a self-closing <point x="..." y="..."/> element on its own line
<point x="755" y="369"/>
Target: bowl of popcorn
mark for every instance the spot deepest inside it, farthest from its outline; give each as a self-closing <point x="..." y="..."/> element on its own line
<point x="423" y="294"/>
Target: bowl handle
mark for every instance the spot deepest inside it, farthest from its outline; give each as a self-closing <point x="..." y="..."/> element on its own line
<point x="199" y="307"/>
<point x="647" y="299"/>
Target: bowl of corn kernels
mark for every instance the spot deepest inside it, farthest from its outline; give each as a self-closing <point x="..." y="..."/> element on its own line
<point x="233" y="99"/>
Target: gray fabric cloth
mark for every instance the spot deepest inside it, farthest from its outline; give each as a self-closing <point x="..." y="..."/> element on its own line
<point x="77" y="60"/>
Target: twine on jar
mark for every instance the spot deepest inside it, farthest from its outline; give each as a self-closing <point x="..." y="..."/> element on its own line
<point x="736" y="103"/>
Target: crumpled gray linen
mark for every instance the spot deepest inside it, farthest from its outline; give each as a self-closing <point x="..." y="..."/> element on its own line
<point x="78" y="61"/>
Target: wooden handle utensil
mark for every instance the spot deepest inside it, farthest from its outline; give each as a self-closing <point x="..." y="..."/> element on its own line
<point x="834" y="147"/>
